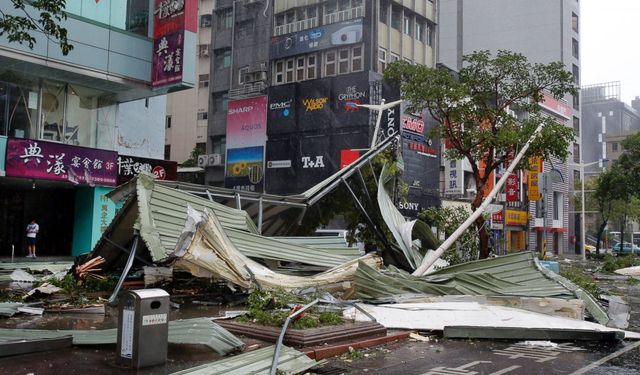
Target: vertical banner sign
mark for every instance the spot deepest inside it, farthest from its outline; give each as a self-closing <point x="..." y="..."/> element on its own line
<point x="172" y="20"/>
<point x="246" y="138"/>
<point x="535" y="168"/>
<point x="512" y="189"/>
<point x="453" y="177"/>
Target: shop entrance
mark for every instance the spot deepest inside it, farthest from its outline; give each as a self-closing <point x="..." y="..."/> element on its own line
<point x="49" y="203"/>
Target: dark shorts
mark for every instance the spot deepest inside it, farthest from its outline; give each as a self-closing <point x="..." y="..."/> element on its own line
<point x="31" y="240"/>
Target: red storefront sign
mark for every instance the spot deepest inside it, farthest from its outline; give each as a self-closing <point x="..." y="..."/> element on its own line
<point x="512" y="189"/>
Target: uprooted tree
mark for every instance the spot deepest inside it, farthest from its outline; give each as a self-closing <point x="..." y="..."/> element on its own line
<point x="35" y="16"/>
<point x="475" y="111"/>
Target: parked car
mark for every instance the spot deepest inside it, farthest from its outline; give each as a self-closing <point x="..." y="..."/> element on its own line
<point x="589" y="249"/>
<point x="626" y="248"/>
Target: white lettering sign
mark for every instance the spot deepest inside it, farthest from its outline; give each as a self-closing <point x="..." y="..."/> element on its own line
<point x="308" y="163"/>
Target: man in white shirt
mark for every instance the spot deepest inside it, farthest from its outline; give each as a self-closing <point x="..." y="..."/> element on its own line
<point x="32" y="232"/>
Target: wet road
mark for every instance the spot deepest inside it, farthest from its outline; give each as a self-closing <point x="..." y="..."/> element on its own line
<point x="461" y="357"/>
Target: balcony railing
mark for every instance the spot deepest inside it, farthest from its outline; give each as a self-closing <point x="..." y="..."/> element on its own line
<point x="343" y="15"/>
<point x="248" y="90"/>
<point x="296" y="26"/>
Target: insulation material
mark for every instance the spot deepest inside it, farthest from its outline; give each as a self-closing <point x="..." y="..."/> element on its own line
<point x="211" y="253"/>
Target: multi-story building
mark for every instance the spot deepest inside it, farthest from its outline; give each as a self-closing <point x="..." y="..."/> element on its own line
<point x="606" y="120"/>
<point x="188" y="110"/>
<point x="73" y="126"/>
<point x="286" y="79"/>
<point x="544" y="31"/>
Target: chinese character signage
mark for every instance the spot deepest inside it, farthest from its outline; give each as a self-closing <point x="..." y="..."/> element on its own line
<point x="512" y="189"/>
<point x="516" y="217"/>
<point x="535" y="169"/>
<point x="333" y="35"/>
<point x="453" y="177"/>
<point x="131" y="166"/>
<point x="246" y="138"/>
<point x="173" y="21"/>
<point x="59" y="162"/>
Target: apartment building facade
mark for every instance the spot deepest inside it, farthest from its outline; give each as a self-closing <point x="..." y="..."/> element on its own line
<point x="286" y="80"/>
<point x="544" y="31"/>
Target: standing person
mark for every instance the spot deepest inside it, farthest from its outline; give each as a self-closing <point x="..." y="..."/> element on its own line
<point x="32" y="232"/>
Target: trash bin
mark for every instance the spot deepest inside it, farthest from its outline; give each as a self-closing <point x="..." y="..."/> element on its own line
<point x="143" y="328"/>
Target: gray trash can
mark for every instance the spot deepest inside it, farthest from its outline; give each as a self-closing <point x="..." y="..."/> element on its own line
<point x="143" y="328"/>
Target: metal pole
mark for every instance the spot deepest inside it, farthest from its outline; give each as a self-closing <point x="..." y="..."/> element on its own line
<point x="13" y="249"/>
<point x="134" y="246"/>
<point x="377" y="128"/>
<point x="582" y="224"/>
<point x="428" y="261"/>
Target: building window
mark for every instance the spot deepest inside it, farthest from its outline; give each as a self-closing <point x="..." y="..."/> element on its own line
<point x="278" y="72"/>
<point x="356" y="59"/>
<point x="311" y="67"/>
<point x="576" y="126"/>
<point x="218" y="144"/>
<point x="406" y="25"/>
<point x="574" y="22"/>
<point x="203" y="80"/>
<point x="382" y="59"/>
<point x="167" y="122"/>
<point x="343" y="61"/>
<point x="205" y="20"/>
<point x="220" y="102"/>
<point x="396" y="17"/>
<point x="167" y="152"/>
<point x="614" y="146"/>
<point x="300" y="68"/>
<point x="576" y="75"/>
<point x="576" y="101"/>
<point x="222" y="58"/>
<point x="384" y="12"/>
<point x="330" y="63"/>
<point x="202" y="115"/>
<point x="242" y="72"/>
<point x="575" y="49"/>
<point x="394" y="57"/>
<point x="225" y="19"/>
<point x="429" y="34"/>
<point x="576" y="153"/>
<point x="558" y="202"/>
<point x="289" y="70"/>
<point x="419" y="31"/>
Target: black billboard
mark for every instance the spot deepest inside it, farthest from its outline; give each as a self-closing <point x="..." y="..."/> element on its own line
<point x="281" y="109"/>
<point x="314" y="104"/>
<point x="349" y="91"/>
<point x="130" y="166"/>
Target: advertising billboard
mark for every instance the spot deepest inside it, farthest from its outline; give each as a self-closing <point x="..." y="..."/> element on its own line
<point x="29" y="158"/>
<point x="131" y="166"/>
<point x="282" y="109"/>
<point x="246" y="138"/>
<point x="174" y="22"/>
<point x="349" y="91"/>
<point x="314" y="104"/>
<point x="316" y="39"/>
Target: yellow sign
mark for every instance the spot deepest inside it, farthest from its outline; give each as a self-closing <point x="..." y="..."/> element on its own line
<point x="516" y="217"/>
<point x="532" y="183"/>
<point x="535" y="164"/>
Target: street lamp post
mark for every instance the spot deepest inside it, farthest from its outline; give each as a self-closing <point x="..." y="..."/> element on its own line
<point x="582" y="223"/>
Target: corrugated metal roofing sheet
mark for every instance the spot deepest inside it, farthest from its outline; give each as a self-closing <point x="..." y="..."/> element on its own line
<point x="511" y="275"/>
<point x="198" y="331"/>
<point x="257" y="362"/>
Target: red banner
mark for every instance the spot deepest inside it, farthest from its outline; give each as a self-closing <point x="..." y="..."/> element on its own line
<point x="513" y="188"/>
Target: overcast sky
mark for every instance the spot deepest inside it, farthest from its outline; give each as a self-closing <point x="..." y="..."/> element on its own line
<point x="609" y="35"/>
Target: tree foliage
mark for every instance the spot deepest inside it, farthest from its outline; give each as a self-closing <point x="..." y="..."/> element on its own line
<point x="474" y="109"/>
<point x="32" y="16"/>
<point x="193" y="157"/>
<point x="446" y="220"/>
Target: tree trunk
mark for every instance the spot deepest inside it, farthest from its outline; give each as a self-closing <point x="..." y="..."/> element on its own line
<point x="483" y="237"/>
<point x="600" y="232"/>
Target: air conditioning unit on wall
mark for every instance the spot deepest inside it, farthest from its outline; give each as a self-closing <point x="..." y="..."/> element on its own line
<point x="210" y="160"/>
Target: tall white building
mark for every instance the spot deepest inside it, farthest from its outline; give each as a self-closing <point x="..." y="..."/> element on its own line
<point x="544" y="31"/>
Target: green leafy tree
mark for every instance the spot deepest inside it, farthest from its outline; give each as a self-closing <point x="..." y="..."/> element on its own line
<point x="606" y="199"/>
<point x="32" y="16"/>
<point x="627" y="186"/>
<point x="473" y="110"/>
<point x="193" y="157"/>
<point x="447" y="220"/>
